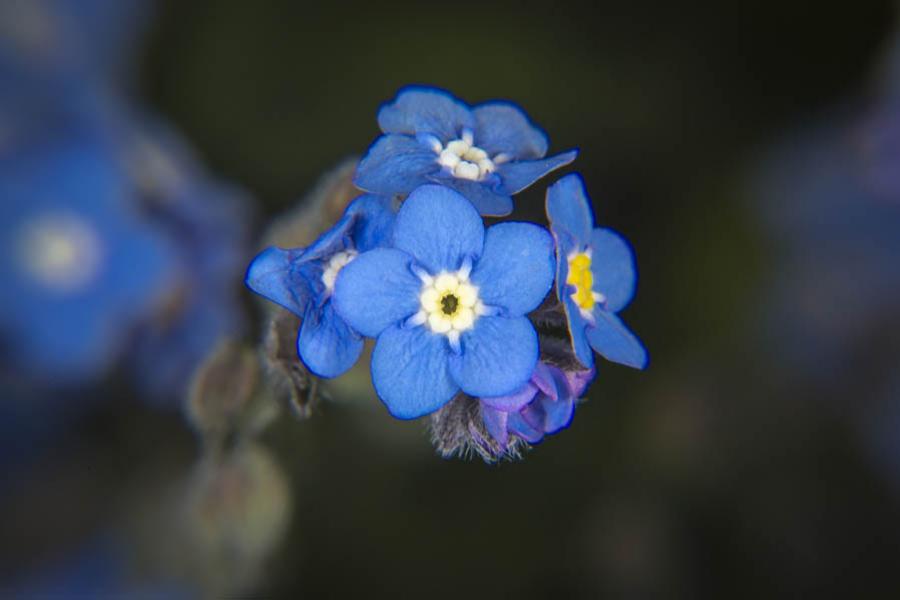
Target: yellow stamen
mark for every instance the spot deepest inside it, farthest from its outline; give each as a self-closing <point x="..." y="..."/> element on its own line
<point x="581" y="277"/>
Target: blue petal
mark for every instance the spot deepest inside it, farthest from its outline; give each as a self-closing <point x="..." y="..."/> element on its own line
<point x="516" y="267"/>
<point x="503" y="127"/>
<point x="439" y="228"/>
<point x="498" y="356"/>
<point x="612" y="340"/>
<point x="332" y="241"/>
<point x="395" y="164"/>
<point x="409" y="370"/>
<point x="483" y="197"/>
<point x="612" y="265"/>
<point x="558" y="414"/>
<point x="326" y="344"/>
<point x="375" y="290"/>
<point x="518" y="425"/>
<point x="565" y="245"/>
<point x="569" y="209"/>
<point x="577" y="325"/>
<point x="426" y="110"/>
<point x="495" y="423"/>
<point x="514" y="401"/>
<point x="374" y="221"/>
<point x="516" y="176"/>
<point x="274" y="275"/>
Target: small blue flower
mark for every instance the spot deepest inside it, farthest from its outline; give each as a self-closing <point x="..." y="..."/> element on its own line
<point x="544" y="405"/>
<point x="302" y="281"/>
<point x="447" y="303"/>
<point x="81" y="266"/>
<point x="207" y="221"/>
<point x="486" y="153"/>
<point x="595" y="277"/>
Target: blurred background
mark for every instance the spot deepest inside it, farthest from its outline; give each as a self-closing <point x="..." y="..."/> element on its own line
<point x="749" y="151"/>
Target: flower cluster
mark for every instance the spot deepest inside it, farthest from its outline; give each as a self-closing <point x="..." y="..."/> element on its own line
<point x="501" y="320"/>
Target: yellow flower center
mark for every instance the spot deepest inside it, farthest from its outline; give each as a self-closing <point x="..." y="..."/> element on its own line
<point x="581" y="277"/>
<point x="449" y="304"/>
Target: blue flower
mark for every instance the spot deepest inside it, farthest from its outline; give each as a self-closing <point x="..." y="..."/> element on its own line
<point x="81" y="266"/>
<point x="486" y="153"/>
<point x="595" y="277"/>
<point x="447" y="303"/>
<point x="302" y="281"/>
<point x="207" y="222"/>
<point x="544" y="405"/>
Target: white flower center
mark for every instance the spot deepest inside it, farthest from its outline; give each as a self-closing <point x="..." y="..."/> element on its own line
<point x="334" y="266"/>
<point x="61" y="251"/>
<point x="464" y="160"/>
<point x="449" y="304"/>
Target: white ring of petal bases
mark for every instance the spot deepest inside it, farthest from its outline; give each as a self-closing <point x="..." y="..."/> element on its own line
<point x="60" y="251"/>
<point x="465" y="160"/>
<point x="449" y="304"/>
<point x="335" y="264"/>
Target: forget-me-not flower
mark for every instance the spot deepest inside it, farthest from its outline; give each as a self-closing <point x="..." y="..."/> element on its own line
<point x="447" y="303"/>
<point x="302" y="280"/>
<point x="544" y="405"/>
<point x="595" y="277"/>
<point x="486" y="153"/>
<point x="80" y="265"/>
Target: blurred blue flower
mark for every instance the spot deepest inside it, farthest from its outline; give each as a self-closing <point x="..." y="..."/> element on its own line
<point x="544" y="405"/>
<point x="207" y="223"/>
<point x="837" y="276"/>
<point x="486" y="153"/>
<point x="80" y="264"/>
<point x="447" y="303"/>
<point x="595" y="277"/>
<point x="302" y="280"/>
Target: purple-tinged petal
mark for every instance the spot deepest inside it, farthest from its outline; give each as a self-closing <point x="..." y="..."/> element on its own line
<point x="516" y="176"/>
<point x="612" y="266"/>
<point x="495" y="423"/>
<point x="502" y="127"/>
<point x="545" y="378"/>
<point x="578" y="381"/>
<point x="523" y="426"/>
<point x="498" y="356"/>
<point x="326" y="344"/>
<point x="275" y="275"/>
<point x="516" y="267"/>
<point x="569" y="210"/>
<point x="558" y="415"/>
<point x="419" y="109"/>
<point x="481" y="194"/>
<point x="611" y="339"/>
<point x="375" y="290"/>
<point x="439" y="228"/>
<point x="409" y="371"/>
<point x="395" y="164"/>
<point x="514" y="401"/>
